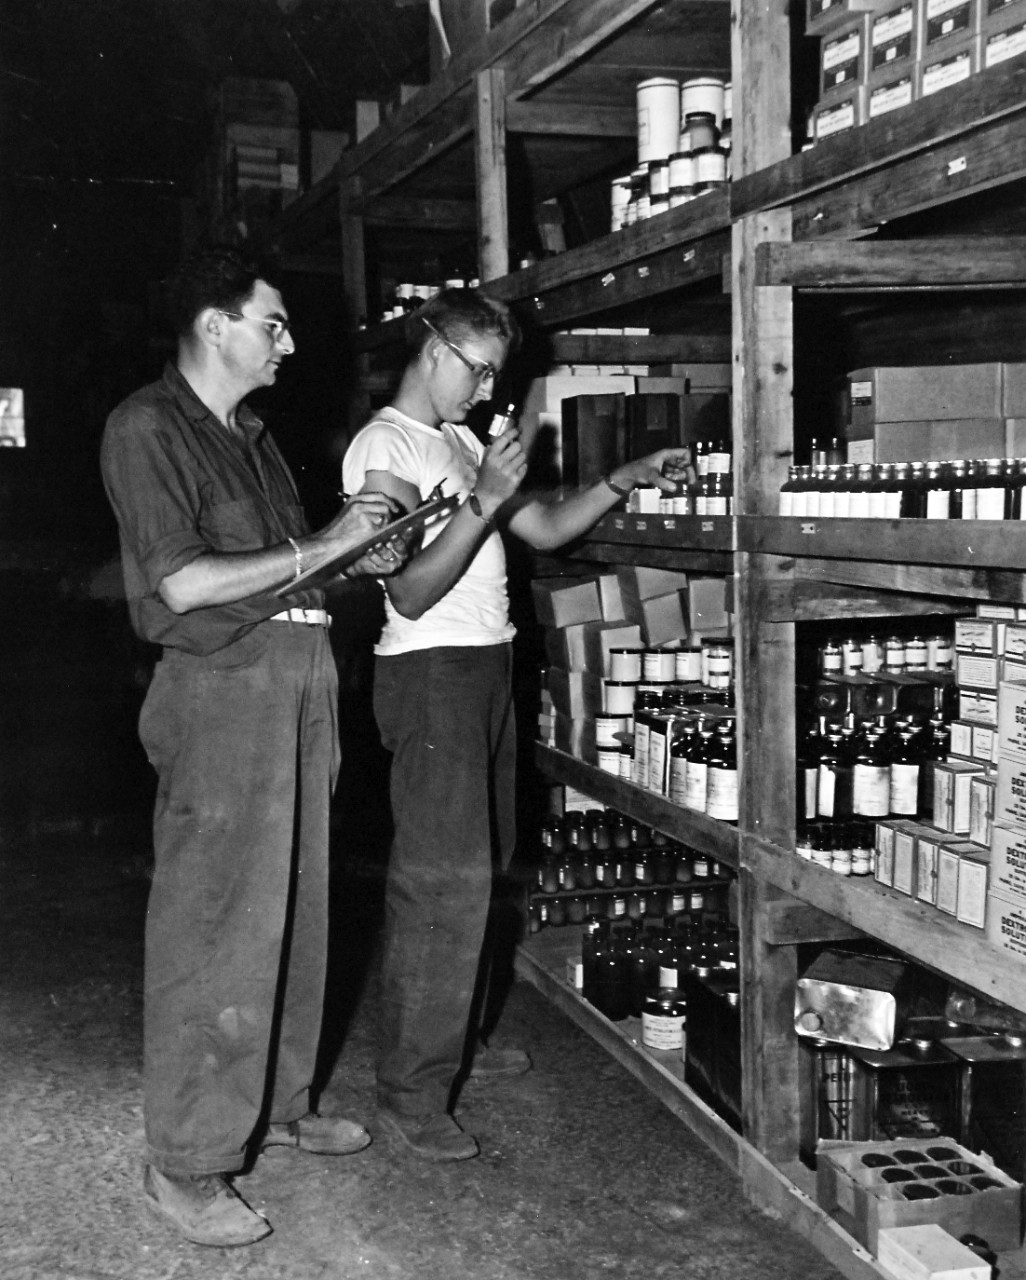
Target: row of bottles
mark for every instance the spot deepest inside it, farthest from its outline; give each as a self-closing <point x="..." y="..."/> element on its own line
<point x="703" y="767"/>
<point x="408" y="296"/>
<point x="892" y="655"/>
<point x="964" y="489"/>
<point x="878" y="767"/>
<point x="624" y="967"/>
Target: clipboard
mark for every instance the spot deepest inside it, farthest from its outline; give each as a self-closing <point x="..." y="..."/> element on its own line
<point x="322" y="574"/>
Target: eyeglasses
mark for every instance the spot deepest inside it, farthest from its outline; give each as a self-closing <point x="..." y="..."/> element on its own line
<point x="276" y="329"/>
<point x="481" y="370"/>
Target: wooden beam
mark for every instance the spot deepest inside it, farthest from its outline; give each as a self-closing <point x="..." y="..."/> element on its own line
<point x="789" y="922"/>
<point x="989" y="95"/>
<point x="561" y="118"/>
<point x="950" y="583"/>
<point x="946" y="263"/>
<point x="993" y="156"/>
<point x="490" y="166"/>
<point x="808" y="600"/>
<point x="420" y="211"/>
<point x="656" y="348"/>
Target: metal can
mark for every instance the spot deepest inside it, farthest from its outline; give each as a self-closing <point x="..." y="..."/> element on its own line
<point x="872" y="655"/>
<point x="851" y="656"/>
<point x="718" y="661"/>
<point x="831" y="659"/>
<point x="916" y="654"/>
<point x="894" y="654"/>
<point x="940" y="653"/>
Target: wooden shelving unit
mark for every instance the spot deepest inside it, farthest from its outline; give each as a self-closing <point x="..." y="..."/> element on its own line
<point x="876" y="212"/>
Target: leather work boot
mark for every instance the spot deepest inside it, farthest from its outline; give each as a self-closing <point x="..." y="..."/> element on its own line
<point x="432" y="1137"/>
<point x="320" y="1135"/>
<point x="205" y="1208"/>
<point x="491" y="1063"/>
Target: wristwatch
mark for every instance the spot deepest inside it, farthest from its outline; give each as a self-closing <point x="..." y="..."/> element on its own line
<point x="617" y="489"/>
<point x="474" y="503"/>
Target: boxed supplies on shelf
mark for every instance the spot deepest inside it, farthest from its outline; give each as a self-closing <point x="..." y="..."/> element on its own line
<point x="885" y="95"/>
<point x="1002" y="31"/>
<point x="576" y="736"/>
<point x="888" y="393"/>
<point x="610" y="597"/>
<point x="928" y="1252"/>
<point x="593" y="437"/>
<point x="576" y="694"/>
<point x="663" y="618"/>
<point x="842" y="109"/>
<point x="825" y="16"/>
<point x="945" y="21"/>
<point x="843" y="56"/>
<point x="854" y="1186"/>
<point x="948" y="64"/>
<point x="562" y="602"/>
<point x="1011" y="711"/>
<point x="1008" y="863"/>
<point x="895" y="40"/>
<point x="951" y="794"/>
<point x="852" y="999"/>
<point x="934" y="440"/>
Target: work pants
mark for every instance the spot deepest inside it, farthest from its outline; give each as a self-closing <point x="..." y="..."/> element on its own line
<point x="245" y="744"/>
<point x="446" y="715"/>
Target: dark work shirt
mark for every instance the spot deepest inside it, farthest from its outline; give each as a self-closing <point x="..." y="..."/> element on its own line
<point x="181" y="485"/>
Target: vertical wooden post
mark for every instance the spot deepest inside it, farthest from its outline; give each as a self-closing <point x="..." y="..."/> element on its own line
<point x="763" y="431"/>
<point x="490" y="159"/>
<point x="354" y="281"/>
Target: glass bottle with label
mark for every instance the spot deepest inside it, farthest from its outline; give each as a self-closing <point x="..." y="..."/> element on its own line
<point x="936" y="747"/>
<point x="962" y="498"/>
<point x="992" y="490"/>
<point x="937" y="488"/>
<point x="722" y="790"/>
<point x="834" y="781"/>
<point x="679" y="751"/>
<point x="913" y="499"/>
<point x="807" y="753"/>
<point x="696" y="775"/>
<point x="800" y="495"/>
<point x="870" y="776"/>
<point x="904" y="775"/>
<point x="861" y="486"/>
<point x="829" y="486"/>
<point x="842" y="496"/>
<point x="786" y="504"/>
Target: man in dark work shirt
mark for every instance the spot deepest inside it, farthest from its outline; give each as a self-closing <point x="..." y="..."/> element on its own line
<point x="240" y="723"/>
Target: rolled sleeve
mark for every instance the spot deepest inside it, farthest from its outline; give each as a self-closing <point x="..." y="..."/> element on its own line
<point x="154" y="498"/>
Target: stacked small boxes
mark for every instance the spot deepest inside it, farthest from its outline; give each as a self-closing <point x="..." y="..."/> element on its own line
<point x="878" y="55"/>
<point x="971" y="862"/>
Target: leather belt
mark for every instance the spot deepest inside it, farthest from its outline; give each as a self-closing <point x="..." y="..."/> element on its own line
<point x="312" y="617"/>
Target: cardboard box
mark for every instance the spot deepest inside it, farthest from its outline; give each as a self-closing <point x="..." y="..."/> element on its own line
<point x="949" y="65"/>
<point x="1013" y="375"/>
<point x="886" y="393"/>
<point x="1014" y="642"/>
<point x="1003" y="31"/>
<point x="944" y="21"/>
<point x="610" y="597"/>
<point x="651" y="422"/>
<point x="928" y="846"/>
<point x="976" y="671"/>
<point x="562" y="602"/>
<point x="600" y="637"/>
<point x="837" y="111"/>
<point x="576" y="736"/>
<point x="897" y="90"/>
<point x="1010" y="799"/>
<point x="843" y="55"/>
<point x="947" y="878"/>
<point x="928" y="1252"/>
<point x="575" y="694"/>
<point x="978" y="706"/>
<point x="1008" y="863"/>
<point x="951" y="794"/>
<point x="541" y="419"/>
<point x="973" y="882"/>
<point x="976" y="635"/>
<point x="1011" y="713"/>
<point x="961" y="739"/>
<point x="822" y="17"/>
<point x="863" y="1203"/>
<point x="663" y="618"/>
<point x="981" y="799"/>
<point x="883" y="853"/>
<point x="1006" y="924"/>
<point x="894" y="41"/>
<point x="594" y="438"/>
<point x="707" y="605"/>
<point x="705" y="415"/>
<point x="984" y="749"/>
<point x="930" y="441"/>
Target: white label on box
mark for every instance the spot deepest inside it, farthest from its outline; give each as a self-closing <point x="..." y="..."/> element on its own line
<point x="947" y="71"/>
<point x="976" y="635"/>
<point x="976" y="670"/>
<point x="972" y="890"/>
<point x="1008" y="862"/>
<point x="984" y="743"/>
<point x="835" y="119"/>
<point x="961" y="738"/>
<point x="945" y="18"/>
<point x="1010" y="801"/>
<point x="884" y="859"/>
<point x="861" y="393"/>
<point x="978" y="706"/>
<point x="947" y="881"/>
<point x="1012" y="717"/>
<point x="1015" y="642"/>
<point x="891" y="28"/>
<point x="840" y="50"/>
<point x="1006" y="925"/>
<point x="904" y="861"/>
<point x="1004" y="44"/>
<point x="888" y="97"/>
<point x="981" y="809"/>
<point x="927" y="857"/>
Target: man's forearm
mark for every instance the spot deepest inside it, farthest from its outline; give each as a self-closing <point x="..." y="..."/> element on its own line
<point x="222" y="577"/>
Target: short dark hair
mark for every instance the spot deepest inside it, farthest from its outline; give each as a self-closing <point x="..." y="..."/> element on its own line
<point x="217" y="276"/>
<point x="458" y="314"/>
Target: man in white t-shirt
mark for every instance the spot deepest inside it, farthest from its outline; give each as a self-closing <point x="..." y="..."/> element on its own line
<point x="442" y="697"/>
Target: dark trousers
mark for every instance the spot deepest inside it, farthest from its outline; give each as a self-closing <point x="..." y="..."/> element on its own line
<point x="446" y="715"/>
<point x="245" y="744"/>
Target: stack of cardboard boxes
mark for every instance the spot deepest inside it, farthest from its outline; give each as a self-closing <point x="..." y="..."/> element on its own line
<point x="970" y="863"/>
<point x="878" y="55"/>
<point x="936" y="412"/>
<point x="586" y="619"/>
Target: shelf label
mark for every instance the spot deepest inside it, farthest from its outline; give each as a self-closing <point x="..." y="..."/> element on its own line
<point x="670" y="524"/>
<point x="957" y="166"/>
<point x="688" y="255"/>
<point x="707" y="526"/>
<point x="538" y="304"/>
<point x="608" y="278"/>
<point x="808" y="526"/>
<point x="619" y="522"/>
<point x="641" y="526"/>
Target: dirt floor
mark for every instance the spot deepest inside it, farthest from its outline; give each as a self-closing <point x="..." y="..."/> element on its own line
<point x="582" y="1173"/>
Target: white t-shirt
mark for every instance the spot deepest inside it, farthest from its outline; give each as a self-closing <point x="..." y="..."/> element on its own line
<point x="476" y="610"/>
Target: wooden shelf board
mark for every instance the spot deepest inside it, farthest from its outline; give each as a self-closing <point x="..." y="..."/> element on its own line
<point x="932" y="938"/>
<point x="788" y="1195"/>
<point x="704" y="834"/>
<point x="991" y="94"/>
<point x="968" y="543"/>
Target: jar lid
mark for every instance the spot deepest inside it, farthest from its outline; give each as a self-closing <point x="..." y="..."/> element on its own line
<point x="700" y="115"/>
